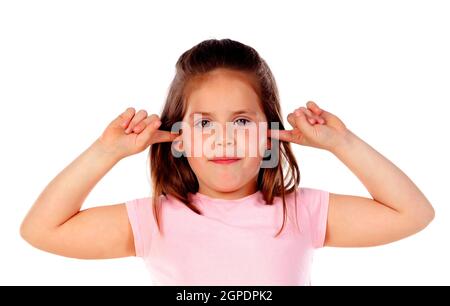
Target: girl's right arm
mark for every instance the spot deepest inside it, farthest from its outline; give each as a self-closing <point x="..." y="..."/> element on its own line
<point x="55" y="222"/>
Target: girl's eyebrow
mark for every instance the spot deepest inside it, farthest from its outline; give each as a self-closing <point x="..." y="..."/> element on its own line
<point x="238" y="112"/>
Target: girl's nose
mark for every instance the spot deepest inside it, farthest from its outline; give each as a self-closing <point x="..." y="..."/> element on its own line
<point x="228" y="143"/>
<point x="225" y="136"/>
<point x="228" y="140"/>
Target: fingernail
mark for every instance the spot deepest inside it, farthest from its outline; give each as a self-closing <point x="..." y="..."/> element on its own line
<point x="297" y="112"/>
<point x="157" y="124"/>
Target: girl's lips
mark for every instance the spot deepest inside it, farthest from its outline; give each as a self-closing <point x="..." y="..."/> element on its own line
<point x="225" y="160"/>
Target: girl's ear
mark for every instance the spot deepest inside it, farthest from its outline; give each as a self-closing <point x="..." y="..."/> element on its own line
<point x="177" y="143"/>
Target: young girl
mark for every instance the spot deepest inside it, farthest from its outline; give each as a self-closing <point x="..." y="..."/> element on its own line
<point x="218" y="218"/>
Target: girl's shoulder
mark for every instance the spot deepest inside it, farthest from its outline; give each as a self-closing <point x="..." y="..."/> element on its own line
<point x="313" y="200"/>
<point x="309" y="192"/>
<point x="310" y="195"/>
<point x="144" y="205"/>
<point x="306" y="195"/>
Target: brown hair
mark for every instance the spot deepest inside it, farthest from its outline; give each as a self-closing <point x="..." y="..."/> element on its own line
<point x="172" y="175"/>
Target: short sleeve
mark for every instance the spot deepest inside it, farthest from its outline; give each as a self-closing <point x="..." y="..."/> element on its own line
<point x="316" y="202"/>
<point x="140" y="215"/>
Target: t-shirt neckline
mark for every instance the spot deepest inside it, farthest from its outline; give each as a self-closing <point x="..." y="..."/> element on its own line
<point x="209" y="199"/>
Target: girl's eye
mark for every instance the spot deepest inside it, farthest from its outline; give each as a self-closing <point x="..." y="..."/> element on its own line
<point x="203" y="123"/>
<point x="242" y="121"/>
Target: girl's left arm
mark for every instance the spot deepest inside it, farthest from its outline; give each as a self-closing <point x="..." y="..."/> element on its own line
<point x="398" y="208"/>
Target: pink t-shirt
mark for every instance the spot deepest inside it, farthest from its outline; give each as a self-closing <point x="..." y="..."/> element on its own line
<point x="233" y="242"/>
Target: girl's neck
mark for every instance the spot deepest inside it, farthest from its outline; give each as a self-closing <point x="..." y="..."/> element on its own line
<point x="244" y="191"/>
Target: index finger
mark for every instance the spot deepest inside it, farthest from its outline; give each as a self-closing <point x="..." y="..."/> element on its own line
<point x="164" y="136"/>
<point x="283" y="135"/>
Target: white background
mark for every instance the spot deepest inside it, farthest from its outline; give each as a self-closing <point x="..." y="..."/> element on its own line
<point x="67" y="68"/>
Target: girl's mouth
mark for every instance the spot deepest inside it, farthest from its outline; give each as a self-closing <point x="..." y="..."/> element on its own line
<point x="225" y="160"/>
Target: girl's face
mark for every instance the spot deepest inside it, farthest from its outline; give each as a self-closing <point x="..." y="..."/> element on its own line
<point x="224" y="120"/>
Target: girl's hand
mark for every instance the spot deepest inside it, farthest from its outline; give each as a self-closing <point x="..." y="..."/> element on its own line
<point x="131" y="133"/>
<point x="314" y="127"/>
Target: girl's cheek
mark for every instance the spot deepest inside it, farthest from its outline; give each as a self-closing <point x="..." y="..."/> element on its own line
<point x="250" y="143"/>
<point x="192" y="143"/>
<point x="262" y="143"/>
<point x="188" y="145"/>
<point x="199" y="145"/>
<point x="257" y="144"/>
<point x="208" y="147"/>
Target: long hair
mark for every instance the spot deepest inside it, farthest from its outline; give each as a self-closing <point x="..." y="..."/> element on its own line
<point x="172" y="175"/>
